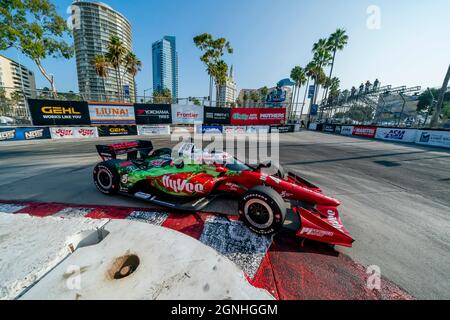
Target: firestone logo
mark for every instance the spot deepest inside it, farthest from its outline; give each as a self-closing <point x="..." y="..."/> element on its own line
<point x="180" y="185"/>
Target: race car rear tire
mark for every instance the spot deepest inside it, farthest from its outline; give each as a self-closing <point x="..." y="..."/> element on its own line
<point x="106" y="178"/>
<point x="263" y="210"/>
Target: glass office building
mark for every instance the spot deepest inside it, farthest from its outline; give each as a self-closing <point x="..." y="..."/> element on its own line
<point x="165" y="65"/>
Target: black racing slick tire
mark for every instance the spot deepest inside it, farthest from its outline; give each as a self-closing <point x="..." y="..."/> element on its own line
<point x="106" y="178"/>
<point x="263" y="210"/>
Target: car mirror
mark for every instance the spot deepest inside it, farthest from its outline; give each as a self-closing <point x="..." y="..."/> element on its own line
<point x="179" y="163"/>
<point x="265" y="164"/>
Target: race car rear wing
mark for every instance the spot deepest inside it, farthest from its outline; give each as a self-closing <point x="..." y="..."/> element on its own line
<point x="131" y="149"/>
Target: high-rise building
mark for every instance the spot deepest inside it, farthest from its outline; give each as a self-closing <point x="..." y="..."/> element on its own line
<point x="92" y="33"/>
<point x="15" y="77"/>
<point x="165" y="65"/>
<point x="227" y="93"/>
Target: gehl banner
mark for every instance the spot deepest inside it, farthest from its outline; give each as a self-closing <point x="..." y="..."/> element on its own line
<point x="51" y="112"/>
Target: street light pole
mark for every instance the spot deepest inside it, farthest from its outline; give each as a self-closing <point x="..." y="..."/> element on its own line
<point x="149" y="89"/>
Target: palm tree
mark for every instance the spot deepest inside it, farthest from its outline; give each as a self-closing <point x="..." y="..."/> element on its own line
<point x="336" y="42"/>
<point x="322" y="58"/>
<point x="101" y="64"/>
<point x="298" y="74"/>
<point x="133" y="65"/>
<point x="115" y="55"/>
<point x="213" y="49"/>
<point x="264" y="91"/>
<point x="219" y="72"/>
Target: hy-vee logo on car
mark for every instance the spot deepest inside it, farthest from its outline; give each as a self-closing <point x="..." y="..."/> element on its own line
<point x="180" y="185"/>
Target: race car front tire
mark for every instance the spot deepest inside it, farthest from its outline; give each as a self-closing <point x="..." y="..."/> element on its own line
<point x="106" y="178"/>
<point x="263" y="210"/>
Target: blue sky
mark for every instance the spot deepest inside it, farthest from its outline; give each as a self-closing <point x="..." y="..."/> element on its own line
<point x="270" y="37"/>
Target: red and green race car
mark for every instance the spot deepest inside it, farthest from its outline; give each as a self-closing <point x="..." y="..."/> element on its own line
<point x="188" y="180"/>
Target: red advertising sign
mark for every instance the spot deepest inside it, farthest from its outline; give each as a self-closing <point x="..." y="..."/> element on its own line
<point x="364" y="131"/>
<point x="258" y="116"/>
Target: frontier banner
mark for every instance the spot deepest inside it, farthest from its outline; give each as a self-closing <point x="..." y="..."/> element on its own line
<point x="111" y="113"/>
<point x="51" y="112"/>
<point x="215" y="115"/>
<point x="187" y="114"/>
<point x="258" y="116"/>
<point x="153" y="113"/>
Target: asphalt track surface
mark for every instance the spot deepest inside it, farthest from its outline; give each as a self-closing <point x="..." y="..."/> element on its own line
<point x="395" y="197"/>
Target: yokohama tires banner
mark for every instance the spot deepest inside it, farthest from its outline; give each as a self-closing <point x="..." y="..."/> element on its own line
<point x="153" y="113"/>
<point x="364" y="131"/>
<point x="74" y="132"/>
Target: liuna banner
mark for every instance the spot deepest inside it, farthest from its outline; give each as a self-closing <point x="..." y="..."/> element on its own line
<point x="31" y="133"/>
<point x="52" y="112"/>
<point x="111" y="113"/>
<point x="153" y="113"/>
<point x="433" y="138"/>
<point x="187" y="114"/>
<point x="214" y="115"/>
<point x="396" y="134"/>
<point x="73" y="132"/>
<point x="110" y="131"/>
<point x="258" y="116"/>
<point x="151" y="130"/>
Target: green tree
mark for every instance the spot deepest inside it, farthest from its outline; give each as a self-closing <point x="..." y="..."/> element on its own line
<point x="298" y="74"/>
<point x="196" y="102"/>
<point x="162" y="96"/>
<point x="426" y="106"/>
<point x="264" y="91"/>
<point x="133" y="65"/>
<point x="336" y="42"/>
<point x="322" y="58"/>
<point x="36" y="30"/>
<point x="101" y="65"/>
<point x="115" y="56"/>
<point x="213" y="50"/>
<point x="5" y="103"/>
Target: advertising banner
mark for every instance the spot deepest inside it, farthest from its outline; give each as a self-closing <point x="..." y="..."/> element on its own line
<point x="314" y="109"/>
<point x="74" y="132"/>
<point x="312" y="126"/>
<point x="258" y="129"/>
<point x="434" y="138"/>
<point x="338" y="130"/>
<point x="14" y="134"/>
<point x="330" y="128"/>
<point x="364" y="131"/>
<point x="51" y="112"/>
<point x="258" y="116"/>
<point x="211" y="129"/>
<point x="182" y="129"/>
<point x="111" y="113"/>
<point x="346" y="130"/>
<point x="109" y="131"/>
<point x="215" y="115"/>
<point x="272" y="116"/>
<point x="396" y="134"/>
<point x="153" y="130"/>
<point x="187" y="114"/>
<point x="282" y="128"/>
<point x="234" y="129"/>
<point x="153" y="113"/>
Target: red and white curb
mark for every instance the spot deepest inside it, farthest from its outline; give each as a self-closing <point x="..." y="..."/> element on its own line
<point x="281" y="265"/>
